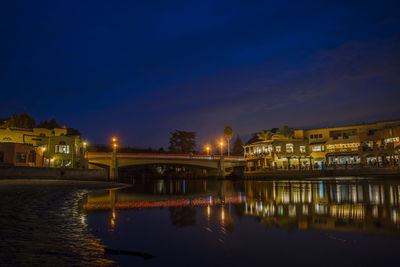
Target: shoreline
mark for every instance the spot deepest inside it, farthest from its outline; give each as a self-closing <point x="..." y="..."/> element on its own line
<point x="43" y="223"/>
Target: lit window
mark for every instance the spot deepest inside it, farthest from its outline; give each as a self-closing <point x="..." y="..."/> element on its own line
<point x="289" y="148"/>
<point x="270" y="148"/>
<point x="317" y="148"/>
<point x="63" y="149"/>
<point x="392" y="140"/>
<point x="278" y="148"/>
<point x="302" y="149"/>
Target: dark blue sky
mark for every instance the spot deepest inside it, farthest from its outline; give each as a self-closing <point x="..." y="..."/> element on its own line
<point x="140" y="69"/>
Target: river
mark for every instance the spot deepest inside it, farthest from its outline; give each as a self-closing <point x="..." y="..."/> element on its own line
<point x="343" y="221"/>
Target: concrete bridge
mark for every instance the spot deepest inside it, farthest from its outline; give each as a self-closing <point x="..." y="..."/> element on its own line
<point x="114" y="160"/>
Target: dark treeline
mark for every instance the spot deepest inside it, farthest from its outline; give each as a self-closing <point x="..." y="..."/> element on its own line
<point x="26" y="121"/>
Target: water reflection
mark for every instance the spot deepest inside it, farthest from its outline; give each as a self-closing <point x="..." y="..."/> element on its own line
<point x="334" y="204"/>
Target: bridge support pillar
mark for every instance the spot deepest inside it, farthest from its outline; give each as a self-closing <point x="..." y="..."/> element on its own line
<point x="221" y="168"/>
<point x="114" y="165"/>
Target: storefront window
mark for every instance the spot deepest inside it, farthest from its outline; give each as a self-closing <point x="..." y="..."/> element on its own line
<point x="392" y="140"/>
<point x="278" y="148"/>
<point x="302" y="149"/>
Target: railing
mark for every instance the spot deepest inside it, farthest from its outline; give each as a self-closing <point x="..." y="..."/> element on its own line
<point x="165" y="156"/>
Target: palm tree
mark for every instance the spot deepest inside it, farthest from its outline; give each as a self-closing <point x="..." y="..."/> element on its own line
<point x="265" y="135"/>
<point x="228" y="135"/>
<point x="288" y="132"/>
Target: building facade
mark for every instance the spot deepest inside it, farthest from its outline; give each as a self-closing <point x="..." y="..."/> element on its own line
<point x="373" y="144"/>
<point x="50" y="148"/>
<point x="277" y="149"/>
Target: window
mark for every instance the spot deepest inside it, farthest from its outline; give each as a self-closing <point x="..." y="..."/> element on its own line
<point x="1" y="156"/>
<point x="392" y="140"/>
<point x="289" y="148"/>
<point x="311" y="136"/>
<point x="21" y="157"/>
<point x="63" y="149"/>
<point x="269" y="148"/>
<point x="320" y="136"/>
<point x="278" y="148"/>
<point x="302" y="149"/>
<point x="318" y="148"/>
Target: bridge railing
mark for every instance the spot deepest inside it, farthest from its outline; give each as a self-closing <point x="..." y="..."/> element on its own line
<point x="164" y="156"/>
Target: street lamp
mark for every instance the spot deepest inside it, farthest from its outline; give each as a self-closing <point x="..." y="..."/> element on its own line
<point x="221" y="144"/>
<point x="43" y="150"/>
<point x="208" y="150"/>
<point x="114" y="143"/>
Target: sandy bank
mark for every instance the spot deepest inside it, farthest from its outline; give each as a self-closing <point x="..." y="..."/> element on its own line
<point x="42" y="224"/>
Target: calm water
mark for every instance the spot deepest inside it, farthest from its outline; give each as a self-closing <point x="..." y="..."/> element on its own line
<point x="198" y="223"/>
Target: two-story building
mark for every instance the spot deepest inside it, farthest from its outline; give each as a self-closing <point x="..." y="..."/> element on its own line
<point x="277" y="149"/>
<point x="363" y="144"/>
<point x="49" y="147"/>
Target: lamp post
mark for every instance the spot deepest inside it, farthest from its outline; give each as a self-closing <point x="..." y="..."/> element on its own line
<point x="85" y="156"/>
<point x="208" y="150"/>
<point x="114" y="167"/>
<point x="221" y="144"/>
<point x="43" y="150"/>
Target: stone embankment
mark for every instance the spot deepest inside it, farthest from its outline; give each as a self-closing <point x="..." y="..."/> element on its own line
<point x="52" y="173"/>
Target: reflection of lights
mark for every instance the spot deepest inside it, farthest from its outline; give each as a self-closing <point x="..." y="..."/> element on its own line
<point x="394" y="216"/>
<point x="208" y="210"/>
<point x="112" y="222"/>
<point x="113" y="214"/>
<point x="223" y="214"/>
<point x="83" y="219"/>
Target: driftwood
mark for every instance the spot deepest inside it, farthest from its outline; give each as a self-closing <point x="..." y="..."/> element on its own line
<point x="144" y="255"/>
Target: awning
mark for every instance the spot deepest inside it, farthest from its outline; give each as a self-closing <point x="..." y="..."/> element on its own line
<point x="341" y="154"/>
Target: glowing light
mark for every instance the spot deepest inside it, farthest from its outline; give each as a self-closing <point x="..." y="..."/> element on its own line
<point x="114" y="139"/>
<point x="115" y="145"/>
<point x="223" y="214"/>
<point x="84" y="144"/>
<point x="83" y="219"/>
<point x="208" y="210"/>
<point x="43" y="148"/>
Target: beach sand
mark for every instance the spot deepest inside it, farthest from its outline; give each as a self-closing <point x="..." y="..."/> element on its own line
<point x="41" y="223"/>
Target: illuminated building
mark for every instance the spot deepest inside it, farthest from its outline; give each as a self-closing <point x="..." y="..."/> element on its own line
<point x="50" y="148"/>
<point x="276" y="149"/>
<point x="366" y="144"/>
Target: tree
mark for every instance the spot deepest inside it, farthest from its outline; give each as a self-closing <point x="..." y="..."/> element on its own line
<point x="228" y="135"/>
<point x="238" y="146"/>
<point x="49" y="124"/>
<point x="182" y="142"/>
<point x="23" y="120"/>
<point x="73" y="132"/>
<point x="265" y="135"/>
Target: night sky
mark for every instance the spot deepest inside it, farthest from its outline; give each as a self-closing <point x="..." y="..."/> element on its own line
<point x="141" y="69"/>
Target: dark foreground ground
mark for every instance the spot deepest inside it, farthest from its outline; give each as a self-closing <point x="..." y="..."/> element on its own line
<point x="41" y="223"/>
